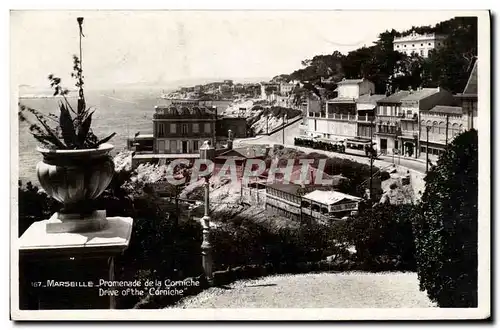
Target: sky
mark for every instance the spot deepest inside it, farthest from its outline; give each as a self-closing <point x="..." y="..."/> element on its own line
<point x="165" y="47"/>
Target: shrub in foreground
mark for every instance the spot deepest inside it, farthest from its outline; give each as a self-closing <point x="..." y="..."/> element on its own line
<point x="446" y="230"/>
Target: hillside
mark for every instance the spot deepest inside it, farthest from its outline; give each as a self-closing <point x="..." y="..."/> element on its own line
<point x="447" y="67"/>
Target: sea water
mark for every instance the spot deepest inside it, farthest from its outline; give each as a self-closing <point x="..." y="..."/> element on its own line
<point x="125" y="112"/>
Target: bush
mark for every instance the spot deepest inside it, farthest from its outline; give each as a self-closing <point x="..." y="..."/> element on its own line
<point x="382" y="236"/>
<point x="384" y="175"/>
<point x="242" y="242"/>
<point x="34" y="205"/>
<point x="446" y="228"/>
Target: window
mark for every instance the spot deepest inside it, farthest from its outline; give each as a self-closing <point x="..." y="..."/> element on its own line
<point x="397" y="46"/>
<point x="161" y="146"/>
<point x="207" y="128"/>
<point x="184" y="129"/>
<point x="196" y="128"/>
<point x="405" y="46"/>
<point x="195" y="146"/>
<point x="429" y="43"/>
<point x="421" y="44"/>
<point x="173" y="146"/>
<point x="161" y="130"/>
<point x="413" y="45"/>
<point x="422" y="52"/>
<point x="422" y="149"/>
<point x="173" y="128"/>
<point x="435" y="128"/>
<point x="439" y="44"/>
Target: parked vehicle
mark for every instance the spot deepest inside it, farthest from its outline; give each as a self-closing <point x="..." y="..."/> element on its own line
<point x="320" y="144"/>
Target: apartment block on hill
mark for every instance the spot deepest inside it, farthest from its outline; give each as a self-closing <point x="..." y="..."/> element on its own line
<point x="420" y="44"/>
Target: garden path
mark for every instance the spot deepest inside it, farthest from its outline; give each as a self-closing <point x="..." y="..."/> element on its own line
<point x="318" y="290"/>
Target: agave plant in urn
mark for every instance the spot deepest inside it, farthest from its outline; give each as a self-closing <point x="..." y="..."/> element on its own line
<point x="76" y="166"/>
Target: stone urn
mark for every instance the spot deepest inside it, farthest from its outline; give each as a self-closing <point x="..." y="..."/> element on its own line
<point x="76" y="178"/>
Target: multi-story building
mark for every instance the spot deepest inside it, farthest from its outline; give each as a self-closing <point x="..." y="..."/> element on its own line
<point x="182" y="130"/>
<point x="438" y="127"/>
<point x="337" y="118"/>
<point x="286" y="88"/>
<point x="397" y="124"/>
<point x="420" y="44"/>
<point x="268" y="89"/>
<point x="442" y="123"/>
<point x="366" y="106"/>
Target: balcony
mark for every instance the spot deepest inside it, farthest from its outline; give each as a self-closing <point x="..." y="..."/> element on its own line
<point x="336" y="116"/>
<point x="365" y="119"/>
<point x="413" y="117"/>
<point x="388" y="130"/>
<point x="409" y="134"/>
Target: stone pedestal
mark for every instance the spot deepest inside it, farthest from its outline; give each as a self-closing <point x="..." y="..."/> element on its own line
<point x="62" y="270"/>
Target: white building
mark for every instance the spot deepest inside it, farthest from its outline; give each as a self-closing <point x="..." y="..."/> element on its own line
<point x="420" y="44"/>
<point x="337" y="118"/>
<point x="328" y="205"/>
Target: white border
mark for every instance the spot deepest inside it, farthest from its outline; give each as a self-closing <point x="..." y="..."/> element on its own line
<point x="294" y="314"/>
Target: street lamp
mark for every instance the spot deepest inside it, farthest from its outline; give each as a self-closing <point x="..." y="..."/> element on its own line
<point x="428" y="128"/>
<point x="207" y="154"/>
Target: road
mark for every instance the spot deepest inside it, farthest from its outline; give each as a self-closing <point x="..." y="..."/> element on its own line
<point x="320" y="290"/>
<point x="292" y="131"/>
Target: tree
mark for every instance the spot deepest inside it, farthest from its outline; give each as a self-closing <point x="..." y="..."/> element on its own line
<point x="449" y="66"/>
<point x="446" y="228"/>
<point x="382" y="235"/>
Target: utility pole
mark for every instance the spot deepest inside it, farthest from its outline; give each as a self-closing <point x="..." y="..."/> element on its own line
<point x="267" y="125"/>
<point x="427" y="150"/>
<point x="284" y="117"/>
<point x="447" y="123"/>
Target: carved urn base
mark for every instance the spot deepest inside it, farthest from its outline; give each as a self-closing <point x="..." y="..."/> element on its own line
<point x="76" y="223"/>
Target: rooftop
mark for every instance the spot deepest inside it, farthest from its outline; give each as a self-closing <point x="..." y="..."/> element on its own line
<point x="143" y="136"/>
<point x="446" y="109"/>
<point x="329" y="197"/>
<point x="416" y="36"/>
<point x="420" y="94"/>
<point x="471" y="87"/>
<point x="289" y="188"/>
<point x="370" y="98"/>
<point x="350" y="81"/>
<point x="173" y="110"/>
<point x="394" y="98"/>
<point x="342" y="100"/>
